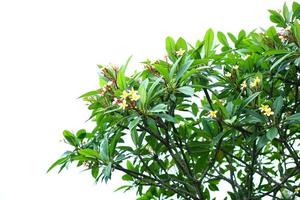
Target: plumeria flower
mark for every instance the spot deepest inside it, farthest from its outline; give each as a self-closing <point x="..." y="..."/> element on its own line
<point x="134" y="95"/>
<point x="255" y="82"/>
<point x="297" y="190"/>
<point x="244" y="85"/>
<point x="213" y="113"/>
<point x="115" y="101"/>
<point x="236" y="67"/>
<point x="180" y="52"/>
<point x="123" y="105"/>
<point x="263" y="107"/>
<point x="228" y="74"/>
<point x="266" y="110"/>
<point x="124" y="94"/>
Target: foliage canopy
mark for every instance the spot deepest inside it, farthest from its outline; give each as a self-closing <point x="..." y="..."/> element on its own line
<point x="223" y="112"/>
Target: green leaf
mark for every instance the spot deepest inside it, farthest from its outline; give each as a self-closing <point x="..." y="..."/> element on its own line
<point x="102" y="81"/>
<point x="70" y="137"/>
<point x="167" y="117"/>
<point x="81" y="134"/>
<point x="277" y="105"/>
<point x="277" y="18"/>
<point x="90" y="153"/>
<point x="247" y="101"/>
<point x="217" y="138"/>
<point x="134" y="123"/>
<point x="294" y="117"/>
<point x="90" y="93"/>
<point x="143" y="91"/>
<point x="222" y="38"/>
<point x="170" y="47"/>
<point x="232" y="37"/>
<point x="183" y="69"/>
<point x="286" y="13"/>
<point x="296" y="10"/>
<point x="189" y="91"/>
<point x="159" y="108"/>
<point x="104" y="154"/>
<point x="107" y="172"/>
<point x="272" y="133"/>
<point x="121" y="79"/>
<point x="280" y="60"/>
<point x="163" y="70"/>
<point x="196" y="147"/>
<point x="195" y="109"/>
<point x="58" y="162"/>
<point x="181" y="44"/>
<point x="174" y="67"/>
<point x="95" y="171"/>
<point x="296" y="31"/>
<point x="129" y="165"/>
<point x="153" y="86"/>
<point x="262" y="141"/>
<point x="134" y="136"/>
<point x="208" y="42"/>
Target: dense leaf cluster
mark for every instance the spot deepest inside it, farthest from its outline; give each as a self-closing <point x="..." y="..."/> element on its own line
<point x="225" y="112"/>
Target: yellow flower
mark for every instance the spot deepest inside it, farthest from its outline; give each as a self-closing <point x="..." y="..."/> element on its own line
<point x="255" y="82"/>
<point x="228" y="74"/>
<point x="134" y="95"/>
<point x="244" y="85"/>
<point x="125" y="94"/>
<point x="180" y="52"/>
<point x="132" y="92"/>
<point x="266" y="110"/>
<point x="123" y="105"/>
<point x="236" y="67"/>
<point x="213" y="113"/>
<point x="264" y="107"/>
<point x="297" y="190"/>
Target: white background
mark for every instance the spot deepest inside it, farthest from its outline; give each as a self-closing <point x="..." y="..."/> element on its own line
<point x="48" y="56"/>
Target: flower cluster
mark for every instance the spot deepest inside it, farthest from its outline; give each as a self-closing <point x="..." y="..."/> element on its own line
<point x="285" y="34"/>
<point x="266" y="110"/>
<point x="127" y="98"/>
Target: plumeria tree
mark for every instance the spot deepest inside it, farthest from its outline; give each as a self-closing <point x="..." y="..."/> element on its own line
<point x="220" y="112"/>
